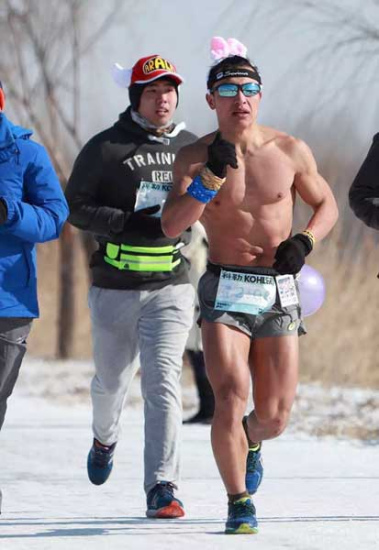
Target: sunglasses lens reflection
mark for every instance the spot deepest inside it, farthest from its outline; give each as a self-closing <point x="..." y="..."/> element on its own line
<point x="231" y="90"/>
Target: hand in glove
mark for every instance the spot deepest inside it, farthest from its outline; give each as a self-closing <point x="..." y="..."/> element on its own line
<point x="290" y="254"/>
<point x="143" y="219"/>
<point x="221" y="153"/>
<point x="3" y="212"/>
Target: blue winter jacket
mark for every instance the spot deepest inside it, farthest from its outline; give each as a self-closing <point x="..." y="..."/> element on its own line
<point x="37" y="211"/>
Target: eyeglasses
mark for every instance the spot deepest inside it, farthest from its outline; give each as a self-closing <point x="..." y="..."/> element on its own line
<point x="249" y="89"/>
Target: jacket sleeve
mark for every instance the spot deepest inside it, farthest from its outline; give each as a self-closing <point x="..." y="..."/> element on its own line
<point x="87" y="210"/>
<point x="364" y="191"/>
<point x="40" y="215"/>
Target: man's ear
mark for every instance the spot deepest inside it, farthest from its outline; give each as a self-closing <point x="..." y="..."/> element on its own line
<point x="211" y="101"/>
<point x="2" y="100"/>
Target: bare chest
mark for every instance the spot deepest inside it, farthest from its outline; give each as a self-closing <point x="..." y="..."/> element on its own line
<point x="261" y="179"/>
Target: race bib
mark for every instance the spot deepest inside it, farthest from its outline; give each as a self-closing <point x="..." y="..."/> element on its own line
<point x="150" y="194"/>
<point x="245" y="292"/>
<point x="287" y="290"/>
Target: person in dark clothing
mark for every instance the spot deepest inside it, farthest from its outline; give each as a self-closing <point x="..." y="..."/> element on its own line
<point x="364" y="191"/>
<point x="32" y="210"/>
<point x="204" y="390"/>
<point x="141" y="300"/>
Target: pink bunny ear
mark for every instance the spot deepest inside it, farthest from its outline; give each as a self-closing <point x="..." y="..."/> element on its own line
<point x="236" y="47"/>
<point x="219" y="48"/>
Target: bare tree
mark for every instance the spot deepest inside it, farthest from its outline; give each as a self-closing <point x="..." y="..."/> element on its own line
<point x="343" y="39"/>
<point x="43" y="44"/>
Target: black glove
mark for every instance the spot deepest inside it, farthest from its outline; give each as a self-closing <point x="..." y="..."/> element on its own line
<point x="290" y="254"/>
<point x="3" y="212"/>
<point x="220" y="154"/>
<point x="143" y="219"/>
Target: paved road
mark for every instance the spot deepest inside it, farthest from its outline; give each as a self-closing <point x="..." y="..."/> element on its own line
<point x="317" y="494"/>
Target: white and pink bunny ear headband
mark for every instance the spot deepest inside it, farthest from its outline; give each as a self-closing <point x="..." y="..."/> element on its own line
<point x="221" y="49"/>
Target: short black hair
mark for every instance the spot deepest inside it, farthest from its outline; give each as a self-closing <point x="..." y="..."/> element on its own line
<point x="230" y="64"/>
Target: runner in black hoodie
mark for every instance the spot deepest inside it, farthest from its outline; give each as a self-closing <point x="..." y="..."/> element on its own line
<point x="141" y="301"/>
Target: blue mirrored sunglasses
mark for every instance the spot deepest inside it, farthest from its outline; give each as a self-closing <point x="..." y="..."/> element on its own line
<point x="231" y="90"/>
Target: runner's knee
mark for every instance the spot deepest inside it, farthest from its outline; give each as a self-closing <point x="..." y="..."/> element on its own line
<point x="231" y="401"/>
<point x="274" y="421"/>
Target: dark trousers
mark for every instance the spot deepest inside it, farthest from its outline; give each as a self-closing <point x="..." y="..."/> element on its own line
<point x="13" y="335"/>
<point x="204" y="389"/>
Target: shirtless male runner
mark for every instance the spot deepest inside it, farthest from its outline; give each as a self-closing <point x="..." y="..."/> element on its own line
<point x="241" y="182"/>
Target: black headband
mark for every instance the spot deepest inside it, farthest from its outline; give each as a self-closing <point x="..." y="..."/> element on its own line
<point x="229" y="73"/>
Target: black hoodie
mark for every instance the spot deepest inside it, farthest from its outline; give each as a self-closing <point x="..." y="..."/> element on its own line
<point x="364" y="191"/>
<point x="103" y="186"/>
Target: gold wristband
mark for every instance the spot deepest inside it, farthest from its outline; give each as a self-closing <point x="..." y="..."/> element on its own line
<point x="210" y="180"/>
<point x="310" y="236"/>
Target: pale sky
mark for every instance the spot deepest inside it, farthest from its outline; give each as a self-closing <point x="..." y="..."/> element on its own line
<point x="278" y="38"/>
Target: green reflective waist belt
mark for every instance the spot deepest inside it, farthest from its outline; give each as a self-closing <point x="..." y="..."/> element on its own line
<point x="142" y="258"/>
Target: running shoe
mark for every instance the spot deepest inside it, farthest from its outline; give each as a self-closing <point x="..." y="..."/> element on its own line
<point x="161" y="502"/>
<point x="100" y="462"/>
<point x="254" y="463"/>
<point x="242" y="518"/>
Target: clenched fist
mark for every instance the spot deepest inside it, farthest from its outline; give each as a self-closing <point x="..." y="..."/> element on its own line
<point x="221" y="153"/>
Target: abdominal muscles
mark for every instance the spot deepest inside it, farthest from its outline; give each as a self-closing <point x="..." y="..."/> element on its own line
<point x="237" y="237"/>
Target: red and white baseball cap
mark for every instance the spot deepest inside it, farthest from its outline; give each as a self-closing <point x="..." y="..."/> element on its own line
<point x="146" y="70"/>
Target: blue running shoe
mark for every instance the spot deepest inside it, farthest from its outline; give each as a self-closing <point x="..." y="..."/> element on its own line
<point x="100" y="462"/>
<point x="161" y="502"/>
<point x="242" y="518"/>
<point x="254" y="463"/>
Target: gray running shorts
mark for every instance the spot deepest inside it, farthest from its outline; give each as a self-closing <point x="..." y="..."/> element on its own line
<point x="276" y="321"/>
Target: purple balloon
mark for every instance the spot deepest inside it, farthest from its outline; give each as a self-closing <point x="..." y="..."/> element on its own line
<point x="312" y="290"/>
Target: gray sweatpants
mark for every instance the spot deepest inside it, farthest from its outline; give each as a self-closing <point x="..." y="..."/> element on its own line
<point x="132" y="328"/>
<point x="13" y="334"/>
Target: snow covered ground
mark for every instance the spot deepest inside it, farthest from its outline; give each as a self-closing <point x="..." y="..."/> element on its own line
<point x="321" y="490"/>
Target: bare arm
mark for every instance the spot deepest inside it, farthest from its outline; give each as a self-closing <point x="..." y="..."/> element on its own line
<point x="181" y="210"/>
<point x="314" y="191"/>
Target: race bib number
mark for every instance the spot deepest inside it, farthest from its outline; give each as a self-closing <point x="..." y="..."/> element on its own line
<point x="287" y="290"/>
<point x="245" y="292"/>
<point x="150" y="194"/>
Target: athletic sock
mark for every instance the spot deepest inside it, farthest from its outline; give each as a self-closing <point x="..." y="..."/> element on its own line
<point x="234" y="498"/>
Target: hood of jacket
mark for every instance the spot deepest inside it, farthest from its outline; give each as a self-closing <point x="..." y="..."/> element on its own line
<point x="9" y="132"/>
